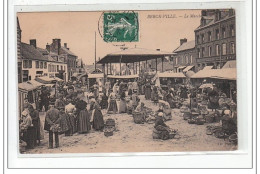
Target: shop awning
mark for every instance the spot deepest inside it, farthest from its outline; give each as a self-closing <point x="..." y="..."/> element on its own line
<point x="47" y="80"/>
<point x="123" y="77"/>
<point x="29" y="86"/>
<point x="226" y="74"/>
<point x="207" y="67"/>
<point x="171" y="75"/>
<point x="133" y="55"/>
<point x="230" y="64"/>
<point x="181" y="67"/>
<point x="93" y="76"/>
<point x="188" y="68"/>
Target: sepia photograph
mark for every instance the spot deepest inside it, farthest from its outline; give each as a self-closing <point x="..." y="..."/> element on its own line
<point x="127" y="81"/>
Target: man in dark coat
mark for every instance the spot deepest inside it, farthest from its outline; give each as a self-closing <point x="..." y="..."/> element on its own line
<point x="51" y="124"/>
<point x="36" y="124"/>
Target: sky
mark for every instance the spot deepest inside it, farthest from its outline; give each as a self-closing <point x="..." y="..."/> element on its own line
<point x="157" y="30"/>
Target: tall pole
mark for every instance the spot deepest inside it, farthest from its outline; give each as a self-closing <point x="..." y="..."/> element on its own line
<point x="95" y="52"/>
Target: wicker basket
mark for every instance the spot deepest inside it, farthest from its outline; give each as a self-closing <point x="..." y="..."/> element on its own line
<point x="186" y="115"/>
<point x="209" y="118"/>
<point x="138" y="118"/>
<point x="108" y="131"/>
<point x="110" y="122"/>
<point x="107" y="134"/>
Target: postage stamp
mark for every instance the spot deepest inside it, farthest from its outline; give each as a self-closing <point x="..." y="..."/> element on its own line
<point x="120" y="27"/>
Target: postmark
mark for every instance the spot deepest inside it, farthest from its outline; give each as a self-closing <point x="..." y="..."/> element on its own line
<point x="120" y="26"/>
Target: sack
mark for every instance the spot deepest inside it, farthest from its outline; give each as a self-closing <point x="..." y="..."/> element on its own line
<point x="200" y="121"/>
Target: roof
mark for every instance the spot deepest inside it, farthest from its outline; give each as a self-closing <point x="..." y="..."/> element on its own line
<point x="30" y="52"/>
<point x="91" y="68"/>
<point x="207" y="67"/>
<point x="133" y="55"/>
<point x="214" y="22"/>
<point x="43" y="51"/>
<point x="171" y="75"/>
<point x="68" y="51"/>
<point x="185" y="46"/>
<point x="123" y="77"/>
<point x="226" y="73"/>
<point x="230" y="64"/>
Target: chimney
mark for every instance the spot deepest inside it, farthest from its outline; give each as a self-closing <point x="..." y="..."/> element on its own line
<point x="48" y="47"/>
<point x="182" y="41"/>
<point x="57" y="46"/>
<point x="65" y="45"/>
<point x="33" y="42"/>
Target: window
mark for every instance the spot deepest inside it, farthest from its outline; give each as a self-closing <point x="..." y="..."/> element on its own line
<point x="224" y="49"/>
<point x="217" y="50"/>
<point x="45" y="65"/>
<point x="61" y="68"/>
<point x="198" y="39"/>
<point x="176" y="61"/>
<point x="217" y="34"/>
<point x="30" y="64"/>
<point x="232" y="30"/>
<point x="223" y="32"/>
<point x="232" y="48"/>
<point x="57" y="67"/>
<point x="191" y="59"/>
<point x="203" y="52"/>
<point x="199" y="55"/>
<point x="187" y="59"/>
<point x="202" y="38"/>
<point x="37" y="64"/>
<point x="25" y="64"/>
<point x="49" y="68"/>
<point x="210" y="51"/>
<point x="209" y="36"/>
<point x="41" y="65"/>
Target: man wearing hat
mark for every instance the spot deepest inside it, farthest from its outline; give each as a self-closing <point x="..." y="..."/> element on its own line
<point x="51" y="124"/>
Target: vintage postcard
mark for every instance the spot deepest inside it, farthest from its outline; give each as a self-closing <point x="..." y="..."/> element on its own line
<point x="127" y="81"/>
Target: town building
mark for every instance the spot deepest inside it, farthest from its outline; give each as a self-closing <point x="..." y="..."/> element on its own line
<point x="37" y="62"/>
<point x="184" y="58"/>
<point x="215" y="38"/>
<point x="64" y="54"/>
<point x="19" y="59"/>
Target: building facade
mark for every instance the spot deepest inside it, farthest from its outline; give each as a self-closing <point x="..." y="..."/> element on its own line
<point x="215" y="38"/>
<point x="64" y="54"/>
<point x="184" y="58"/>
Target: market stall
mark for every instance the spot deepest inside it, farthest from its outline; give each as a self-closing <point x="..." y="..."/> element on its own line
<point x="172" y="78"/>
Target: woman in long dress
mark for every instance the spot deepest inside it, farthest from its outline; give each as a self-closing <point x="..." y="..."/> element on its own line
<point x="112" y="105"/>
<point x="70" y="113"/>
<point x="122" y="104"/>
<point x="98" y="121"/>
<point x="83" y="117"/>
<point x="148" y="91"/>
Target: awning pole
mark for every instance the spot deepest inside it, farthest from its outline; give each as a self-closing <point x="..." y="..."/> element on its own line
<point x="136" y="68"/>
<point x="156" y="64"/>
<point x="162" y="64"/>
<point x="126" y="69"/>
<point x="110" y="68"/>
<point x="120" y="64"/>
<point x="139" y="67"/>
<point x="107" y="68"/>
<point x="133" y="67"/>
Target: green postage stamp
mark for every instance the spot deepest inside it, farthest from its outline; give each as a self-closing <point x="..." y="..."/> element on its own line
<point x="120" y="27"/>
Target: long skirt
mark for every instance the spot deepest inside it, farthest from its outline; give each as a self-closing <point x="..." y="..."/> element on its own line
<point x="29" y="137"/>
<point x="148" y="93"/>
<point x="122" y="106"/>
<point x="84" y="121"/>
<point x="112" y="106"/>
<point x="71" y="124"/>
<point x="98" y="121"/>
<point x="64" y="123"/>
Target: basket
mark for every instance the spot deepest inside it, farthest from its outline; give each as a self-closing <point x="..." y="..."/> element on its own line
<point x="209" y="118"/>
<point x="138" y="118"/>
<point x="200" y="121"/>
<point x="110" y="122"/>
<point x="191" y="121"/>
<point x="108" y="131"/>
<point x="186" y="115"/>
<point x="107" y="134"/>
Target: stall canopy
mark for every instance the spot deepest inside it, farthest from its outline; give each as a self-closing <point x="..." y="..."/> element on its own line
<point x="47" y="80"/>
<point x="188" y="68"/>
<point x="133" y="55"/>
<point x="171" y="75"/>
<point x="93" y="76"/>
<point x="230" y="64"/>
<point x="207" y="67"/>
<point x="123" y="77"/>
<point x="29" y="85"/>
<point x="227" y="74"/>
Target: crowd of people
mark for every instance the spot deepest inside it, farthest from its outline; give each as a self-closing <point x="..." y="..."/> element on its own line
<point x="75" y="109"/>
